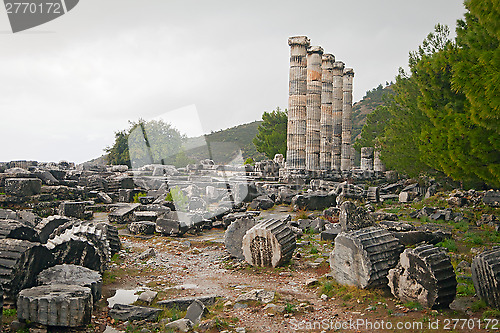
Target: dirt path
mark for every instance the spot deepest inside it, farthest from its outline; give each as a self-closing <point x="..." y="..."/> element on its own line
<point x="199" y="265"/>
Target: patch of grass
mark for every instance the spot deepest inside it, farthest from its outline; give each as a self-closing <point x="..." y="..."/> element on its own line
<point x="488" y="314"/>
<point x="449" y="244"/>
<point x="478" y="306"/>
<point x="221" y="323"/>
<point x="462" y="226"/>
<point x="314" y="250"/>
<point x="301" y="215"/>
<point x="474" y="238"/>
<point x="393" y="210"/>
<point x="493" y="237"/>
<point x="289" y="308"/>
<point x="8" y="313"/>
<point x="466" y="290"/>
<point x="425" y="219"/>
<point x="414" y="306"/>
<point x="327" y="288"/>
<point x="347" y="297"/>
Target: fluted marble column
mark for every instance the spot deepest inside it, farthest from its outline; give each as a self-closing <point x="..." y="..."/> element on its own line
<point x="337" y="106"/>
<point x="326" y="121"/>
<point x="296" y="129"/>
<point x="345" y="162"/>
<point x="313" y="110"/>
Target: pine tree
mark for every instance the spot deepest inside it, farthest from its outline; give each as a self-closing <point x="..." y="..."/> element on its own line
<point x="271" y="138"/>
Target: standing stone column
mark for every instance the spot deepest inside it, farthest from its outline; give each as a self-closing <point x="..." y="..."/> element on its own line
<point x="345" y="162"/>
<point x="313" y="110"/>
<point x="378" y="165"/>
<point x="337" y="106"/>
<point x="326" y="121"/>
<point x="367" y="158"/>
<point x="296" y="131"/>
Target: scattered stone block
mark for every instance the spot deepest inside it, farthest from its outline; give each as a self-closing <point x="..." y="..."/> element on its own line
<point x="125" y="312"/>
<point x="123" y="214"/>
<point x="148" y="296"/>
<point x="184" y="302"/>
<point x="104" y="198"/>
<point x="233" y="237"/>
<point x="195" y="312"/>
<point x="181" y="325"/>
<point x="330" y="234"/>
<point x="363" y="257"/>
<point x="149" y="253"/>
<point x="23" y="187"/>
<point x="20" y="263"/>
<point x="56" y="305"/>
<point x="313" y="201"/>
<point x="73" y="275"/>
<point x="17" y="230"/>
<point x="142" y="227"/>
<point x="373" y="194"/>
<point x="261" y="203"/>
<point x="73" y="209"/>
<point x="492" y="198"/>
<point x="151" y="216"/>
<point x="424" y="275"/>
<point x="486" y="276"/>
<point x="353" y="218"/>
<point x="171" y="227"/>
<point x="269" y="243"/>
<point x="409" y="238"/>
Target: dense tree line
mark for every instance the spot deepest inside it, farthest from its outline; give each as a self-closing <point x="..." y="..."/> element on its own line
<point x="444" y="115"/>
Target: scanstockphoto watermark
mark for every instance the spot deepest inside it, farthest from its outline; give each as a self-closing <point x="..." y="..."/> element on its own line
<point x="25" y="15"/>
<point x="360" y="324"/>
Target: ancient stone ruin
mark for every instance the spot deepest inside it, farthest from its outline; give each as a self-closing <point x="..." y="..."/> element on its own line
<point x="486" y="276"/>
<point x="319" y="111"/>
<point x="424" y="275"/>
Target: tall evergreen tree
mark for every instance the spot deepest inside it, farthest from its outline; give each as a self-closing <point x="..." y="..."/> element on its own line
<point x="271" y="138"/>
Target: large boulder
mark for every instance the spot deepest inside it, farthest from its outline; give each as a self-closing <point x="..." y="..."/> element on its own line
<point x="314" y="201"/>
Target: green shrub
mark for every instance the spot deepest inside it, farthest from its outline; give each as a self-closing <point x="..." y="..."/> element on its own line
<point x="448" y="244"/>
<point x="139" y="195"/>
<point x="178" y="197"/>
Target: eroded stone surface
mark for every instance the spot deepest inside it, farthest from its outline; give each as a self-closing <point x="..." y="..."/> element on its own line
<point x="363" y="258"/>
<point x="56" y="305"/>
<point x="234" y="234"/>
<point x="269" y="243"/>
<point x="486" y="276"/>
<point x="73" y="275"/>
<point x="424" y="275"/>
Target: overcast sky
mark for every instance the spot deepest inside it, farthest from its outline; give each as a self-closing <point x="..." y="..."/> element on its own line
<point x="68" y="85"/>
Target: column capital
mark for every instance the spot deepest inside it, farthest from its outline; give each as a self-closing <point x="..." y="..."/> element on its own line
<point x="315" y="49"/>
<point x="299" y="40"/>
<point x="338" y="65"/>
<point x="349" y="71"/>
<point x="328" y="57"/>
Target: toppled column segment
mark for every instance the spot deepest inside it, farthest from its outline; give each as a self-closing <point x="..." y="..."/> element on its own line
<point x="56" y="305"/>
<point x="362" y="258"/>
<point x="269" y="243"/>
<point x="424" y="275"/>
<point x="486" y="276"/>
